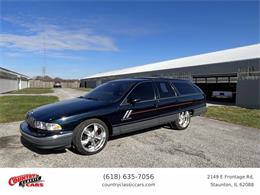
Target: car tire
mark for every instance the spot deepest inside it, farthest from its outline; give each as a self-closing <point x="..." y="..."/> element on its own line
<point x="90" y="136"/>
<point x="182" y="122"/>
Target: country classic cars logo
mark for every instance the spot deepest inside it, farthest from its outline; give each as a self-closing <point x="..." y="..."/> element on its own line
<point x="28" y="180"/>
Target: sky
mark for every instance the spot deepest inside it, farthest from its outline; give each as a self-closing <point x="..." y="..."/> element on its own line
<point x="75" y="39"/>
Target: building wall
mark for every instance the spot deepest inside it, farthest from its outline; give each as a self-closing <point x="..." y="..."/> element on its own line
<point x="7" y="85"/>
<point x="248" y="92"/>
<point x="88" y="84"/>
<point x="228" y="68"/>
<point x="24" y="84"/>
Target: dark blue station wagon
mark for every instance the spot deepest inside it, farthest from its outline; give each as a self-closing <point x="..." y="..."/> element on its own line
<point x="113" y="108"/>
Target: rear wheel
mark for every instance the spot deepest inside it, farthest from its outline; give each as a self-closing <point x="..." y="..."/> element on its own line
<point x="90" y="137"/>
<point x="182" y="122"/>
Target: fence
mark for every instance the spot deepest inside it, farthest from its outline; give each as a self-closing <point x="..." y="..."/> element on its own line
<point x="49" y="84"/>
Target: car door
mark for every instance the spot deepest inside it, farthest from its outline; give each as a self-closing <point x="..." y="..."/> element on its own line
<point x="137" y="110"/>
<point x="167" y="106"/>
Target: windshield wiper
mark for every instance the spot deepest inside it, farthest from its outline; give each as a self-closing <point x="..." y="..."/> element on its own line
<point x="91" y="98"/>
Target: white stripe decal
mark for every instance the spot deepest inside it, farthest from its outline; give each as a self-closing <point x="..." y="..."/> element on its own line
<point x="129" y="113"/>
<point x="125" y="114"/>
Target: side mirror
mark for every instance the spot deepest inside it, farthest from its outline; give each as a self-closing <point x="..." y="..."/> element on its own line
<point x="133" y="100"/>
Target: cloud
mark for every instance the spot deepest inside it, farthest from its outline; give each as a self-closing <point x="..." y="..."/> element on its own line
<point x="43" y="54"/>
<point x="51" y="37"/>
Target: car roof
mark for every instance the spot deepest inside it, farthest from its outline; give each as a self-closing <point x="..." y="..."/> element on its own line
<point x="139" y="79"/>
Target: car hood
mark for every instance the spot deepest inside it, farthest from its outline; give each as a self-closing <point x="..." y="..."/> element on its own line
<point x="65" y="108"/>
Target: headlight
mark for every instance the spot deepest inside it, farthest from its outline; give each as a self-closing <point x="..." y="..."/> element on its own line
<point x="47" y="126"/>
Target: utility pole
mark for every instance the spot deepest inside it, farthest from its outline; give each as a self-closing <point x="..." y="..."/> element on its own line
<point x="43" y="71"/>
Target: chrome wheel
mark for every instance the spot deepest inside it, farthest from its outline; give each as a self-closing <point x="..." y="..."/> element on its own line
<point x="184" y="119"/>
<point x="93" y="137"/>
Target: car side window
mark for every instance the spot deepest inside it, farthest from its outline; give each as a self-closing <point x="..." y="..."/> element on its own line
<point x="165" y="89"/>
<point x="185" y="88"/>
<point x="142" y="92"/>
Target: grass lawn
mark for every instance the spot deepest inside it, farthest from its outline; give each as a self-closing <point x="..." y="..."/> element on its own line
<point x="236" y="115"/>
<point x="33" y="91"/>
<point x="14" y="108"/>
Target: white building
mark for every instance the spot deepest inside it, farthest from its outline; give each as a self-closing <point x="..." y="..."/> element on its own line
<point x="11" y="81"/>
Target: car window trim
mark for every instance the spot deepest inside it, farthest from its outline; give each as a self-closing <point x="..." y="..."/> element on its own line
<point x="161" y="98"/>
<point x="179" y="94"/>
<point x="124" y="102"/>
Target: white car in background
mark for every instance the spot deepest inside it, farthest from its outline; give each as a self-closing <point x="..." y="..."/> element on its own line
<point x="222" y="94"/>
<point x="57" y="85"/>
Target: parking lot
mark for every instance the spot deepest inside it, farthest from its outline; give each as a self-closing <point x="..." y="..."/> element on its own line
<point x="206" y="143"/>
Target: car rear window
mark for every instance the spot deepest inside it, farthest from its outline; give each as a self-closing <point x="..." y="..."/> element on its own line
<point x="165" y="89"/>
<point x="185" y="88"/>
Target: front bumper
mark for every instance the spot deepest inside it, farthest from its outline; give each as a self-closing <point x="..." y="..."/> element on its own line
<point x="61" y="140"/>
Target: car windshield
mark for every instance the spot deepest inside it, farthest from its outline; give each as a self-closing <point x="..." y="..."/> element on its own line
<point x="111" y="91"/>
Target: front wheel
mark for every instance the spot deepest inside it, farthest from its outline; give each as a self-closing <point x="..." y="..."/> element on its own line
<point x="182" y="122"/>
<point x="90" y="137"/>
